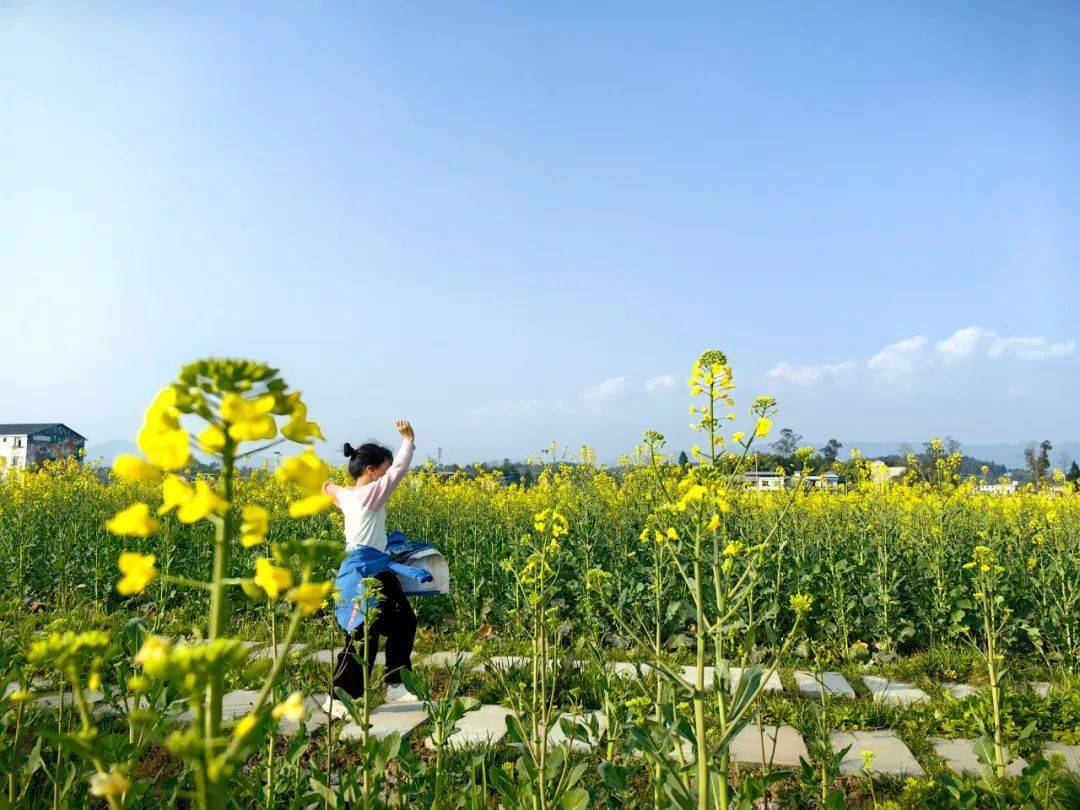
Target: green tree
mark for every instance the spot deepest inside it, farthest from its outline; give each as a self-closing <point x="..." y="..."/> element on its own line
<point x="830" y="451"/>
<point x="1074" y="473"/>
<point x="787" y="443"/>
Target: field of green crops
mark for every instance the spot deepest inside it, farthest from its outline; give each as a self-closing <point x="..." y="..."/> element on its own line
<point x="129" y="697"/>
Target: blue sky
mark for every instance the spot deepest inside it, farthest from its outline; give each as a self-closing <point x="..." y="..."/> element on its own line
<point x="518" y="222"/>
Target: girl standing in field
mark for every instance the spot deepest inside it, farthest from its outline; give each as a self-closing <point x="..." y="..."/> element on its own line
<point x="377" y="472"/>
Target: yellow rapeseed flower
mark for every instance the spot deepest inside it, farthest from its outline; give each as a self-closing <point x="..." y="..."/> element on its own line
<point x="306" y="470"/>
<point x="292" y="708"/>
<point x="763" y="426"/>
<point x="133" y="468"/>
<point x="249" y="420"/>
<point x="135" y="521"/>
<point x="212" y="439"/>
<point x="272" y="579"/>
<point x="309" y="597"/>
<point x="153" y="650"/>
<point x="161" y="438"/>
<point x="191" y="503"/>
<point x="311" y="505"/>
<point x="244" y="726"/>
<point x="255" y="525"/>
<point x="138" y="571"/>
<point x="298" y="428"/>
<point x="109" y="785"/>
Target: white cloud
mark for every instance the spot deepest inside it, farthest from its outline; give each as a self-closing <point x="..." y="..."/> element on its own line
<point x="659" y="383"/>
<point x="605" y="391"/>
<point x="1031" y="348"/>
<point x="808" y="375"/>
<point x="964" y="343"/>
<point x="961" y="344"/>
<point x="898" y="359"/>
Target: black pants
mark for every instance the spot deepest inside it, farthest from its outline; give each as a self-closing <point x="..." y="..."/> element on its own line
<point x="397" y="622"/>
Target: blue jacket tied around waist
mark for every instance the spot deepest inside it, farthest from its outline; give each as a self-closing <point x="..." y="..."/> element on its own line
<point x="367" y="562"/>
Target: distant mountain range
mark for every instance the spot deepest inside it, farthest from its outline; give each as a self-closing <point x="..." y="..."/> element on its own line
<point x="1011" y="454"/>
<point x="108" y="451"/>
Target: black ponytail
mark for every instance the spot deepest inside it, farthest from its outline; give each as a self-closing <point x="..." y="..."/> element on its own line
<point x="366" y="455"/>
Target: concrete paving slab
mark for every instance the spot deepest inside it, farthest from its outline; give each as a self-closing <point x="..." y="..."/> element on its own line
<point x="783" y="746"/>
<point x="52" y="701"/>
<point x="316" y="717"/>
<point x="960" y="691"/>
<point x="485" y="726"/>
<point x="329" y="657"/>
<point x="686" y="748"/>
<point x="508" y="662"/>
<point x="268" y="652"/>
<point x="1041" y="688"/>
<point x="689" y="676"/>
<point x="233" y="705"/>
<point x="894" y="693"/>
<point x="583" y="739"/>
<point x="891" y="756"/>
<point x="504" y="663"/>
<point x="832" y="683"/>
<point x="1071" y="753"/>
<point x="446" y="659"/>
<point x="401" y="717"/>
<point x="960" y="756"/>
<point x="628" y="669"/>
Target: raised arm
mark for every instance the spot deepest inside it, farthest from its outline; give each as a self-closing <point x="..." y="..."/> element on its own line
<point x="382" y="489"/>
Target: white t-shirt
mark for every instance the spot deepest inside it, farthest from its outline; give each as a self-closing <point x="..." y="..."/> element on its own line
<point x="364" y="507"/>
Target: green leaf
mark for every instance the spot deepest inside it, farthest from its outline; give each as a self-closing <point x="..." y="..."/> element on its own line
<point x="576" y="799"/>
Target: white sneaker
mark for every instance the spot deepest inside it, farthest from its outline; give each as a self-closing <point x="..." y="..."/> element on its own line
<point x="335" y="710"/>
<point x="397" y="693"/>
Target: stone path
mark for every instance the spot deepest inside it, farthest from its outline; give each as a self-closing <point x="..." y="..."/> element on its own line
<point x="1041" y="688"/>
<point x="485" y="726"/>
<point x="894" y="693"/>
<point x="960" y="756"/>
<point x="505" y="663"/>
<point x="329" y="657"/>
<point x="445" y="660"/>
<point x="1071" y="753"/>
<point x="316" y="716"/>
<point x="268" y="653"/>
<point x="960" y="690"/>
<point x="583" y="739"/>
<point x="689" y="676"/>
<point x="891" y="756"/>
<point x="628" y="669"/>
<point x="401" y="717"/>
<point x="52" y="701"/>
<point x="783" y="746"/>
<point x="832" y="683"/>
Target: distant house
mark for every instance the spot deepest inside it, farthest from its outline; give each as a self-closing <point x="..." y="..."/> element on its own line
<point x="1000" y="488"/>
<point x="23" y="445"/>
<point x="764" y="480"/>
<point x="829" y="480"/>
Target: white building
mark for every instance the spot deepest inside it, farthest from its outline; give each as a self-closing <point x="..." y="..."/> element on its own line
<point x="828" y="480"/>
<point x="1000" y="488"/>
<point x="767" y="481"/>
<point x="29" y="444"/>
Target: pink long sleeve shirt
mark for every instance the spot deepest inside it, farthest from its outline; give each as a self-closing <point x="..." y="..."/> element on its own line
<point x="364" y="507"/>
